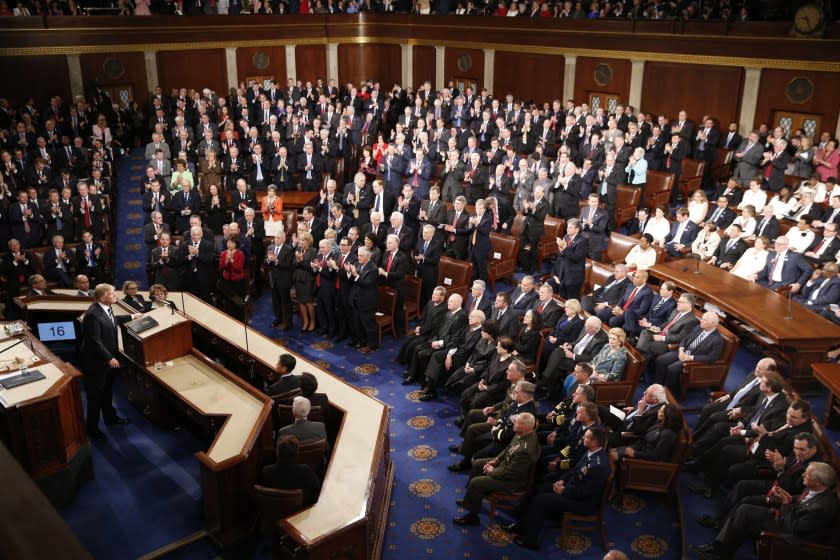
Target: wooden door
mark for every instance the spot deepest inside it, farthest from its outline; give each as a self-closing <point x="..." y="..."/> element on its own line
<point x="791" y="122"/>
<point x="602" y="99"/>
<point x="463" y="83"/>
<point x="121" y="94"/>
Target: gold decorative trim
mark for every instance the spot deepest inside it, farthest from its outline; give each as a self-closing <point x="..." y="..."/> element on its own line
<point x="679" y="58"/>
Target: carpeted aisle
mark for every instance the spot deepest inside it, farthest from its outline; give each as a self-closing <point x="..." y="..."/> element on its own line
<point x="128" y="219"/>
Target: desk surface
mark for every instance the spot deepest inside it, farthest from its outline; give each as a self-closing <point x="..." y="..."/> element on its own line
<point x="829" y="375"/>
<point x="210" y="392"/>
<point x="758" y="306"/>
<point x="22" y="393"/>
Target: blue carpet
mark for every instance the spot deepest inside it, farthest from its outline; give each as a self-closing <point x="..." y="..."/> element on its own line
<point x="146" y="493"/>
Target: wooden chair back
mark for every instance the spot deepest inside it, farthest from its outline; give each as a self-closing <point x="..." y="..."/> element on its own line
<point x="312" y="453"/>
<point x="386" y="305"/>
<point x="622" y="391"/>
<point x="593" y="522"/>
<point x="547" y="246"/>
<point x="502" y="262"/>
<point x="712" y="375"/>
<point x="411" y="303"/>
<point x="454" y="274"/>
<point x="658" y="189"/>
<point x="627" y="202"/>
<point x="691" y="178"/>
<point x="274" y="504"/>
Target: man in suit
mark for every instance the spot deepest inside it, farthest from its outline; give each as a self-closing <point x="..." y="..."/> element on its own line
<point x="25" y="221"/>
<point x="58" y="262"/>
<point x="185" y="203"/>
<point x="365" y="277"/>
<point x="166" y="263"/>
<point x="507" y="472"/>
<point x="427" y="255"/>
<point x="831" y="214"/>
<point x="457" y="230"/>
<point x="683" y="231"/>
<point x="90" y="258"/>
<point x="606" y="185"/>
<point x="808" y="517"/>
<point x="656" y="340"/>
<point x="252" y="234"/>
<point x="579" y="491"/>
<point x="535" y="212"/>
<point x="547" y="307"/>
<point x="448" y="338"/>
<point x="99" y="358"/>
<point x="731" y="190"/>
<point x="393" y="268"/>
<point x="405" y="234"/>
<point x="824" y="248"/>
<point x="478" y="299"/>
<point x="730" y="249"/>
<point x="821" y="290"/>
<point x="705" y="149"/>
<point x="198" y="257"/>
<point x="358" y="199"/>
<point x="636" y="301"/>
<point x="774" y="165"/>
<point x="283" y="380"/>
<point x="703" y="344"/>
<point x="522" y="297"/>
<point x="427" y="327"/>
<point x="392" y="168"/>
<point x="309" y="165"/>
<point x="677" y="149"/>
<point x="721" y="215"/>
<point x="563" y="358"/>
<point x="304" y="429"/>
<point x="569" y="269"/>
<point x="280" y="261"/>
<point x="784" y="268"/>
<point x="661" y="307"/>
<point x="383" y="201"/>
<point x="286" y="474"/>
<point x="504" y="315"/>
<point x="478" y="247"/>
<point x="88" y="211"/>
<point x="155" y="200"/>
<point x="593" y="226"/>
<point x="748" y="157"/>
<point x="768" y="225"/>
<point x="732" y="139"/>
<point x="607" y="295"/>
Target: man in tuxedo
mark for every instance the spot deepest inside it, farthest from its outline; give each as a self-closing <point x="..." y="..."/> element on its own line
<point x="636" y="301"/>
<point x="748" y="157"/>
<point x="593" y="225"/>
<point x="535" y="213"/>
<point x="808" y="517"/>
<point x="569" y="269"/>
<point x="427" y="254"/>
<point x="683" y="231"/>
<point x="655" y="340"/>
<point x="721" y="215"/>
<point x="822" y="289"/>
<point x="657" y="314"/>
<point x="100" y="358"/>
<point x="824" y="248"/>
<point x="563" y="358"/>
<point x="457" y="230"/>
<point x="57" y="263"/>
<point x="784" y="268"/>
<point x="703" y="344"/>
<point x="607" y="295"/>
<point x="730" y="249"/>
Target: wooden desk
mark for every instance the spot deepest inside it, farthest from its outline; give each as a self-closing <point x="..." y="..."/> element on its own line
<point x="42" y="422"/>
<point x="802" y="339"/>
<point x="829" y="375"/>
<point x="297" y="200"/>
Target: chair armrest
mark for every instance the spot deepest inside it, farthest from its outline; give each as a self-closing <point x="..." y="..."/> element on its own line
<point x="716" y="395"/>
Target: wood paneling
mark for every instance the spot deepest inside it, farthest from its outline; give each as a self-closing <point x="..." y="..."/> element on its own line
<point x="530" y="77"/>
<point x="476" y="71"/>
<point x="424" y="66"/>
<point x="193" y="69"/>
<point x="40" y="77"/>
<point x="619" y="82"/>
<point x="134" y="72"/>
<point x="311" y="62"/>
<point x="823" y="101"/>
<point x="700" y="90"/>
<point x="379" y="62"/>
<point x="245" y="66"/>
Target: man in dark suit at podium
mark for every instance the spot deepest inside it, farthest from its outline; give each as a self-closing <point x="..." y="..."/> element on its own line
<point x="99" y="358"/>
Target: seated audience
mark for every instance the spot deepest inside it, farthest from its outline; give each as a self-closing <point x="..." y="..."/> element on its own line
<point x="287" y="474"/>
<point x="304" y="429"/>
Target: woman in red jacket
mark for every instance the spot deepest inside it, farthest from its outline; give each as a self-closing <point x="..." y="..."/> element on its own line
<point x="232" y="271"/>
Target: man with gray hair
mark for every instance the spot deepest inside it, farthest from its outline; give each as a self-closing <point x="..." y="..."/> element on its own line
<point x="302" y="428"/>
<point x="564" y="358"/>
<point x="198" y="257"/>
<point x="703" y="344"/>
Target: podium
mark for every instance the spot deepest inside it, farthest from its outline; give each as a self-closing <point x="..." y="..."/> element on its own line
<point x="170" y="339"/>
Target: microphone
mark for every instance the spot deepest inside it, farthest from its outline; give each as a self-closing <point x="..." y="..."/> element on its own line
<point x="789" y="314"/>
<point x="168" y="304"/>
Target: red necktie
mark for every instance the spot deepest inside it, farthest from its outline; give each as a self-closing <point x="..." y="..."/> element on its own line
<point x="630" y="299"/>
<point x="454" y="222"/>
<point x="474" y="305"/>
<point x="390" y="260"/>
<point x="671" y="323"/>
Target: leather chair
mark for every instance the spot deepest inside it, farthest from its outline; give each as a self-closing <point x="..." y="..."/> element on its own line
<point x="312" y="453"/>
<point x="412" y="306"/>
<point x="722" y="167"/>
<point x="691" y="178"/>
<point x="273" y="504"/>
<point x="627" y="202"/>
<point x="658" y="189"/>
<point x="704" y="375"/>
<point x="593" y="522"/>
<point x="596" y="273"/>
<point x="289" y="222"/>
<point x="502" y="262"/>
<point x="547" y="245"/>
<point x="509" y="501"/>
<point x="386" y="304"/>
<point x="622" y="391"/>
<point x="454" y="275"/>
<point x="657" y="476"/>
<point x="618" y="246"/>
<point x="518" y="225"/>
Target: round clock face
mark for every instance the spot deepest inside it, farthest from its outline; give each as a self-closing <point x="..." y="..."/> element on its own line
<point x="808" y="18"/>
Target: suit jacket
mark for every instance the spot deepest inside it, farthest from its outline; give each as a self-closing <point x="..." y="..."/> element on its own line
<point x="523" y="304"/>
<point x="794" y="270"/>
<point x="592" y="348"/>
<point x="641" y="302"/>
<point x="138" y="303"/>
<point x="723" y="219"/>
<point x="689" y="233"/>
<point x="462" y="232"/>
<point x="534" y="221"/>
<point x="452" y="329"/>
<point x="291" y="476"/>
<point x="731" y="256"/>
<point x="596" y="233"/>
<point x="709" y="350"/>
<point x="306" y="430"/>
<point x="570" y="264"/>
<point x="768" y="228"/>
<point x="280" y="271"/>
<point x="660" y="316"/>
<point x="777" y="171"/>
<point x="51" y="261"/>
<point x="428" y="268"/>
<point x="586" y="481"/>
<point x="99" y="339"/>
<point x="509" y="322"/>
<point x="167" y="273"/>
<point x="681" y="328"/>
<point x="485" y="304"/>
<point x="747" y="166"/>
<point x="180" y="204"/>
<point x="771" y="416"/>
<point x="641" y="423"/>
<point x="551" y="313"/>
<point x="811" y="521"/>
<point x="829" y="292"/>
<point x="363" y="292"/>
<point x="829" y="252"/>
<point x="610" y="294"/>
<point x="515" y="461"/>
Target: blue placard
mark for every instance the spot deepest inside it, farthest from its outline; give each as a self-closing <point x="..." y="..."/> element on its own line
<point x="50" y="332"/>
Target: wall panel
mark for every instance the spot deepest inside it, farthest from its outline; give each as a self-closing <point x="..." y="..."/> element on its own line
<point x="262" y="61"/>
<point x="823" y="101"/>
<point x="476" y="68"/>
<point x="193" y="69"/>
<point x="26" y="76"/>
<point x="700" y="90"/>
<point x="378" y="62"/>
<point x="618" y="81"/>
<point x="424" y="65"/>
<point x="133" y="72"/>
<point x="530" y="77"/>
<point x="311" y="63"/>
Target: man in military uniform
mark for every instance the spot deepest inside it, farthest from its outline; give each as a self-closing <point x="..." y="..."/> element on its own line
<point x="577" y="491"/>
<point x="561" y="418"/>
<point x="507" y="472"/>
<point x="562" y="451"/>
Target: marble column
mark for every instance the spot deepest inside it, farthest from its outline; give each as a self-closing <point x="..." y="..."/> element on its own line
<point x="749" y="100"/>
<point x="637" y="80"/>
<point x="440" y="65"/>
<point x="407" y="59"/>
<point x="489" y="67"/>
<point x="74" y="70"/>
<point x="569" y="69"/>
<point x="291" y="66"/>
<point x="152" y="81"/>
<point x="332" y="62"/>
<point x="232" y="70"/>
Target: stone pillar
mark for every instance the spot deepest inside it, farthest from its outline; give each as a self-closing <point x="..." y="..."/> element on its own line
<point x="637" y="79"/>
<point x="291" y="66"/>
<point x="407" y="59"/>
<point x="489" y="66"/>
<point x="332" y="62"/>
<point x="569" y="69"/>
<point x="74" y="70"/>
<point x="440" y="65"/>
<point x="150" y="57"/>
<point x="232" y="70"/>
<point x="749" y="100"/>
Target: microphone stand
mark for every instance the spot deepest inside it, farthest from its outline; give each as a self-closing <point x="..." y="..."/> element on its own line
<point x="789" y="314"/>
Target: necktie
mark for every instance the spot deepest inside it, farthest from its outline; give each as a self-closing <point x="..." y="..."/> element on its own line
<point x="658" y="305"/>
<point x="581" y="346"/>
<point x="696" y="342"/>
<point x="390" y="260"/>
<point x="474" y="305"/>
<point x="671" y="322"/>
<point x="425" y="247"/>
<point x="111" y="316"/>
<point x="736" y="400"/>
<point x="87" y="213"/>
<point x="630" y="299"/>
<point x="716" y="215"/>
